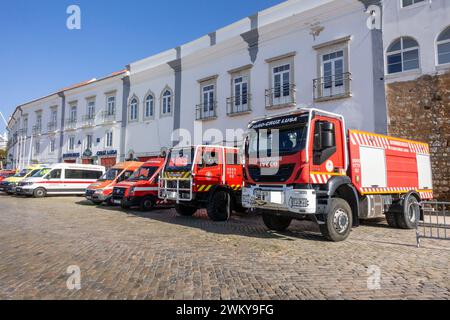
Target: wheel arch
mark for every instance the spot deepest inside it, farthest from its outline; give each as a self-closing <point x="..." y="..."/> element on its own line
<point x="343" y="188"/>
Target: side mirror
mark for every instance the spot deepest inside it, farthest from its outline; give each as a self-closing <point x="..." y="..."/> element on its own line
<point x="327" y="133"/>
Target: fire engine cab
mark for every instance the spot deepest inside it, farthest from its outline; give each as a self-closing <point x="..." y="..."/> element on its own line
<point x="204" y="176"/>
<point x="306" y="165"/>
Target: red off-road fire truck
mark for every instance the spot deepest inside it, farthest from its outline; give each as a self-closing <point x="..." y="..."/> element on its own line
<point x="201" y="177"/>
<point x="306" y="165"/>
<point x="141" y="189"/>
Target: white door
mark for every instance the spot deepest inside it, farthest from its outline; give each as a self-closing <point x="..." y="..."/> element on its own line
<point x="281" y="84"/>
<point x="208" y="101"/>
<point x="424" y="171"/>
<point x="333" y="74"/>
<point x="240" y="94"/>
<point x="54" y="181"/>
<point x="373" y="168"/>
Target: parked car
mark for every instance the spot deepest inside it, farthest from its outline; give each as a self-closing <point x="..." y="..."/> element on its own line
<point x="8" y="185"/>
<point x="6" y="174"/>
<point x="102" y="189"/>
<point x="60" y="179"/>
<point x="141" y="189"/>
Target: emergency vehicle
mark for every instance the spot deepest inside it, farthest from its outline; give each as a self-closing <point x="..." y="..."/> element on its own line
<point x="6" y="174"/>
<point x="60" y="179"/>
<point x="141" y="189"/>
<point x="9" y="185"/>
<point x="201" y="177"/>
<point x="307" y="165"/>
<point x="102" y="189"/>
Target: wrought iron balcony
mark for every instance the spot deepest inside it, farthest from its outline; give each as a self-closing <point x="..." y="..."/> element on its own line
<point x="22" y="132"/>
<point x="332" y="87"/>
<point x="52" y="126"/>
<point x="239" y="104"/>
<point x="108" y="116"/>
<point x="206" y="111"/>
<point x="88" y="120"/>
<point x="71" y="124"/>
<point x="37" y="129"/>
<point x="283" y="96"/>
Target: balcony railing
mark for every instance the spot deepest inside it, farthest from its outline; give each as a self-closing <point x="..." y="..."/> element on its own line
<point x="88" y="120"/>
<point x="71" y="124"/>
<point x="108" y="116"/>
<point x="37" y="129"/>
<point x="332" y="87"/>
<point x="283" y="96"/>
<point x="206" y="111"/>
<point x="239" y="105"/>
<point x="52" y="126"/>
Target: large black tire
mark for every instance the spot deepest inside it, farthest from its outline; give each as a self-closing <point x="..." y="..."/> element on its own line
<point x="39" y="193"/>
<point x="219" y="208"/>
<point x="391" y="218"/>
<point x="275" y="222"/>
<point x="184" y="210"/>
<point x="338" y="222"/>
<point x="96" y="202"/>
<point x="407" y="218"/>
<point x="147" y="204"/>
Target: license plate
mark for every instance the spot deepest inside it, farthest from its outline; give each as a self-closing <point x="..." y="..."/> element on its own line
<point x="269" y="196"/>
<point x="117" y="201"/>
<point x="172" y="195"/>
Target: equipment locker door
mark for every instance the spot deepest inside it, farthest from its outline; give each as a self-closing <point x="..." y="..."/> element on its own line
<point x="210" y="165"/>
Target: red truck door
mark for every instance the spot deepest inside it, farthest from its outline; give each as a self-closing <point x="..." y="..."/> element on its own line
<point x="209" y="166"/>
<point x="327" y="149"/>
<point x="233" y="169"/>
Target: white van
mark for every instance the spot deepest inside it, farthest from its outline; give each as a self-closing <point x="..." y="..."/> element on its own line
<point x="60" y="179"/>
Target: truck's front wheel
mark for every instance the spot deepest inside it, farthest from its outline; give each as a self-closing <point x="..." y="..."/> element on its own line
<point x="147" y="204"/>
<point x="219" y="208"/>
<point x="411" y="211"/>
<point x="338" y="222"/>
<point x="39" y="193"/>
<point x="186" y="211"/>
<point x="277" y="223"/>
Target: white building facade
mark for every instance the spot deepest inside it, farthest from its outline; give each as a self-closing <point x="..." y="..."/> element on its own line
<point x="299" y="54"/>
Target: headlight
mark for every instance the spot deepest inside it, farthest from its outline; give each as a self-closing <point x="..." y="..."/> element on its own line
<point x="22" y="184"/>
<point x="98" y="191"/>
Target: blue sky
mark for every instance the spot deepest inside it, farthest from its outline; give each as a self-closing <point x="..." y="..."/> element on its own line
<point x="39" y="55"/>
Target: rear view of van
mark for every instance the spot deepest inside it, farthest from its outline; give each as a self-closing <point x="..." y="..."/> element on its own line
<point x="60" y="179"/>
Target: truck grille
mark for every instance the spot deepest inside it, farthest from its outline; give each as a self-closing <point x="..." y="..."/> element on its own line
<point x="284" y="173"/>
<point x="184" y="184"/>
<point x="119" y="193"/>
<point x="90" y="193"/>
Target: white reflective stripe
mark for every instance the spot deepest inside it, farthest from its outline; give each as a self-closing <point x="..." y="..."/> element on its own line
<point x="147" y="189"/>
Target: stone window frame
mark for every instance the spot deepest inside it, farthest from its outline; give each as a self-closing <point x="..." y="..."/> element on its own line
<point x="278" y="61"/>
<point x="73" y="105"/>
<point x="413" y="5"/>
<point x="161" y="102"/>
<point x="144" y="109"/>
<point x="107" y="133"/>
<point x="438" y="43"/>
<point x="68" y="143"/>
<point x="130" y="120"/>
<point x="108" y="95"/>
<point x="341" y="44"/>
<point x="52" y="141"/>
<point x="205" y="82"/>
<point x="244" y="72"/>
<point x="89" y="100"/>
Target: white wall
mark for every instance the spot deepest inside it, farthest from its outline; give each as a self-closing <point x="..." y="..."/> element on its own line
<point x="423" y="22"/>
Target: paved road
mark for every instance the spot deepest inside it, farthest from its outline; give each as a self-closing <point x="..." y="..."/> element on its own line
<point x="159" y="255"/>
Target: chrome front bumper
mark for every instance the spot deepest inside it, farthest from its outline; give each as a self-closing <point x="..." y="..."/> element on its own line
<point x="280" y="199"/>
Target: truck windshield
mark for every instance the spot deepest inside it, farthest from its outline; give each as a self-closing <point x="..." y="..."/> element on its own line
<point x="291" y="140"/>
<point x="180" y="160"/>
<point x="110" y="175"/>
<point x="143" y="173"/>
<point x="41" y="173"/>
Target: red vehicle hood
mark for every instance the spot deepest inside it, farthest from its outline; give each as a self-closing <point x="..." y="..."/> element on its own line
<point x="129" y="184"/>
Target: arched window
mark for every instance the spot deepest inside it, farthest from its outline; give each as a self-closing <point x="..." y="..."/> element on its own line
<point x="166" y="102"/>
<point x="149" y="106"/>
<point x="443" y="46"/>
<point x="403" y="55"/>
<point x="134" y="109"/>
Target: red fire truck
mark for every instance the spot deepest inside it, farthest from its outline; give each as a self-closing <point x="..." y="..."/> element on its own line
<point x="306" y="165"/>
<point x="200" y="177"/>
<point x="141" y="189"/>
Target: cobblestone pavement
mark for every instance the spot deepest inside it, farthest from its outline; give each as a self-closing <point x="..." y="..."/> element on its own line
<point x="159" y="255"/>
